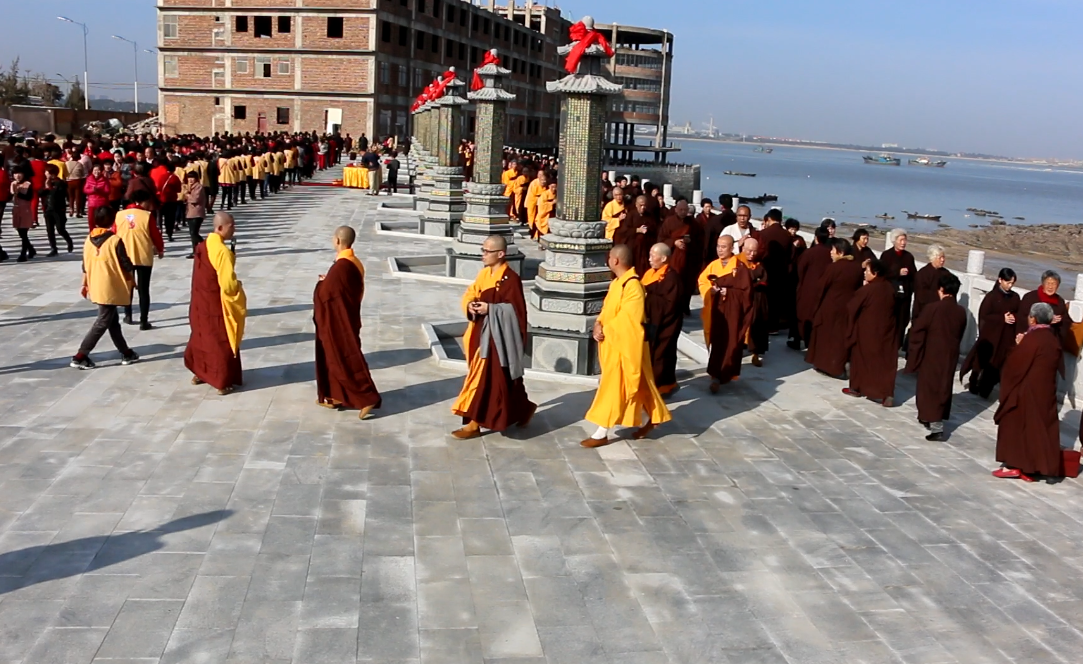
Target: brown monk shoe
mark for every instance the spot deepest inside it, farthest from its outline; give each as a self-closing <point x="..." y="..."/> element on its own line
<point x="595" y="442"/>
<point x="366" y="413"/>
<point x="328" y="404"/>
<point x="644" y="431"/>
<point x="472" y="430"/>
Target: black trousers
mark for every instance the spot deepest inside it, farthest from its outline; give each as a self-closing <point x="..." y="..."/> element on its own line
<point x="193" y="230"/>
<point x="24" y="236"/>
<point x="57" y="222"/>
<point x="168" y="213"/>
<point x="241" y="186"/>
<point x="252" y="188"/>
<point x="227" y="198"/>
<point x="142" y="286"/>
<point x="108" y="321"/>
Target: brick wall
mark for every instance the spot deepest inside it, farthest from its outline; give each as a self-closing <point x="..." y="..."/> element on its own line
<point x="355" y="33"/>
<point x="250" y="81"/>
<point x="337" y="74"/>
<point x="185" y="114"/>
<point x="344" y="4"/>
<point x="193" y="71"/>
<point x="355" y="115"/>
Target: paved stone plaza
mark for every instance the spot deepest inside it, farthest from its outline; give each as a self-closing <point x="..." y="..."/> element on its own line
<point x="144" y="519"/>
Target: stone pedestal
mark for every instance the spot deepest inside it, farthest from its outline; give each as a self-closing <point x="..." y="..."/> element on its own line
<point x="445" y="208"/>
<point x="486" y="206"/>
<point x="975" y="262"/>
<point x="573" y="280"/>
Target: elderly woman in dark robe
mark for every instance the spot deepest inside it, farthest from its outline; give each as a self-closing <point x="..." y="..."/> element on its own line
<point x="996" y="336"/>
<point x="1028" y="430"/>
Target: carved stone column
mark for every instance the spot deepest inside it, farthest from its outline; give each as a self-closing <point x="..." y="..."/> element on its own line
<point x="445" y="201"/>
<point x="486" y="205"/>
<point x="573" y="279"/>
<point x="425" y="158"/>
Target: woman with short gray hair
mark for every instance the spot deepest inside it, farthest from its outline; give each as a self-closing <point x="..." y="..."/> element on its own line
<point x="899" y="270"/>
<point x="1061" y="323"/>
<point x="1028" y="429"/>
<point x="927" y="280"/>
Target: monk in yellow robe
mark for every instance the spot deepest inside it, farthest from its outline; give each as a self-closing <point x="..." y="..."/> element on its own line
<point x="726" y="287"/>
<point x="614" y="212"/>
<point x="217" y="311"/>
<point x="515" y="189"/>
<point x="626" y="391"/>
<point x="533" y="192"/>
<point x="493" y="396"/>
<point x="547" y="207"/>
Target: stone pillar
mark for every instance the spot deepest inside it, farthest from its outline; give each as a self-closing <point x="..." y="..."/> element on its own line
<point x="445" y="206"/>
<point x="975" y="262"/>
<point x="423" y="182"/>
<point x="573" y="279"/>
<point x="486" y="206"/>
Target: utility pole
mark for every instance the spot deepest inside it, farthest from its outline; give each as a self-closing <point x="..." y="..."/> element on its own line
<point x="86" y="77"/>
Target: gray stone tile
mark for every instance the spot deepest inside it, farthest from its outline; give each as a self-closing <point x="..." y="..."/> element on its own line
<point x="325" y="645"/>
<point x="266" y="631"/>
<point x="331" y="602"/>
<point x="142" y="629"/>
<point x="67" y="645"/>
<point x="214" y="603"/>
<point x="197" y="645"/>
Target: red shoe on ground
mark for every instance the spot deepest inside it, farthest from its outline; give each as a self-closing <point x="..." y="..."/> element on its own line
<point x="1008" y="473"/>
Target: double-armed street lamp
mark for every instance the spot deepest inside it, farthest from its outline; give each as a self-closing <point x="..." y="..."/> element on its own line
<point x="135" y="56"/>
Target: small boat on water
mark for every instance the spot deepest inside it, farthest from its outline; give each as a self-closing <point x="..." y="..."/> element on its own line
<point x="756" y="200"/>
<point x="927" y="217"/>
<point x="739" y="173"/>
<point x="764" y="150"/>
<point x="885" y="216"/>
<point x="925" y="161"/>
<point x="882" y="160"/>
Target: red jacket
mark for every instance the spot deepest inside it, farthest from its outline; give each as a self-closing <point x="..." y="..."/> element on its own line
<point x="159" y="174"/>
<point x="170" y="190"/>
<point x="97" y="191"/>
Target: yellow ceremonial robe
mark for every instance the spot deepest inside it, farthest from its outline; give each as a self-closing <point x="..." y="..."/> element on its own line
<point x="716" y="268"/>
<point x="626" y="388"/>
<point x="611" y="217"/>
<point x="532" y="193"/>
<point x="234" y="302"/>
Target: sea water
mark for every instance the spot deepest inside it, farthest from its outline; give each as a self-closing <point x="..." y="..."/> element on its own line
<point x="814" y="183"/>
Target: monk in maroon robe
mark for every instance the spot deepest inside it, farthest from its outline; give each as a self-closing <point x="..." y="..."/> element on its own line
<point x="827" y="349"/>
<point x="870" y="338"/>
<point x="776" y="252"/>
<point x="935" y="337"/>
<point x="639" y="232"/>
<point x="493" y="395"/>
<point x="996" y="336"/>
<point x="726" y="287"/>
<point x="927" y="280"/>
<point x="665" y="319"/>
<point x="684" y="237"/>
<point x="1062" y="320"/>
<point x="216" y="313"/>
<point x="810" y="270"/>
<point x="342" y="374"/>
<point x="900" y="270"/>
<point x="1028" y="429"/>
<point x="759" y="331"/>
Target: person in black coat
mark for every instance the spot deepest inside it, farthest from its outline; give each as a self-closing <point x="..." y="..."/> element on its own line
<point x="900" y="270"/>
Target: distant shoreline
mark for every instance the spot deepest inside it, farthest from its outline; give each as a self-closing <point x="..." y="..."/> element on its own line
<point x="1075" y="169"/>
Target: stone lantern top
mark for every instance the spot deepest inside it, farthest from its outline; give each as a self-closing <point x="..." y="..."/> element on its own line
<point x="584" y="56"/>
<point x="486" y="79"/>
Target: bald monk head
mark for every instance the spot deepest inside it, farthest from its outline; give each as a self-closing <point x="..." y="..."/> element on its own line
<point x="750" y="248"/>
<point x="659" y="255"/>
<point x="724" y="247"/>
<point x="224" y="225"/>
<point x="641" y="204"/>
<point x="493" y="250"/>
<point x="620" y="259"/>
<point x="344" y="238"/>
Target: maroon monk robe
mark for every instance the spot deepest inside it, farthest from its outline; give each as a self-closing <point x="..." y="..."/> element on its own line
<point x="664" y="322"/>
<point x="759" y="330"/>
<point x="730" y="319"/>
<point x="1062" y="330"/>
<point x="895" y="262"/>
<point x="810" y="270"/>
<point x="685" y="262"/>
<point x="639" y="243"/>
<point x="500" y="402"/>
<point x="995" y="338"/>
<point x="870" y="338"/>
<point x="864" y="254"/>
<point x="208" y="354"/>
<point x="926" y="285"/>
<point x="1028" y="430"/>
<point x="342" y="374"/>
<point x="776" y="251"/>
<point x="828" y="350"/>
<point x="934" y="353"/>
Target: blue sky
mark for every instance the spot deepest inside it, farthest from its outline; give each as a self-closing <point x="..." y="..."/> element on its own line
<point x="995" y="76"/>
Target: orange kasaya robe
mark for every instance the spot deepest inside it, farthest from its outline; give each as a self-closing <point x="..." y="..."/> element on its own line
<point x="515" y="189"/>
<point x="726" y="322"/>
<point x="342" y="374"/>
<point x="489" y="396"/>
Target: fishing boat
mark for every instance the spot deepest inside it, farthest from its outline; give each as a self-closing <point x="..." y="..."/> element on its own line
<point x="927" y="217"/>
<point x="883" y="160"/>
<point x="756" y="200"/>
<point x="925" y="161"/>
<point x="764" y="150"/>
<point x="739" y="173"/>
<point x="885" y="216"/>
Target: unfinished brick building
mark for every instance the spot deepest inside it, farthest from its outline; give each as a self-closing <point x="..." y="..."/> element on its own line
<point x="353" y="65"/>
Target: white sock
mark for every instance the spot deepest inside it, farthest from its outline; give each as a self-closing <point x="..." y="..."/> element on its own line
<point x="601" y="434"/>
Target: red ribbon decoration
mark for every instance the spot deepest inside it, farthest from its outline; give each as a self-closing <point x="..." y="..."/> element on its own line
<point x="490" y="59"/>
<point x="584" y="39"/>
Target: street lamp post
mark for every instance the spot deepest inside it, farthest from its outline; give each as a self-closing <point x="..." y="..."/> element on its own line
<point x="86" y="77"/>
<point x="135" y="55"/>
<point x="69" y="81"/>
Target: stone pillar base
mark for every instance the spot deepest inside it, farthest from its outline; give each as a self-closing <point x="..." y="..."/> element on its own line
<point x="485" y="215"/>
<point x="467" y="265"/>
<point x="444" y="212"/>
<point x="559" y="344"/>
